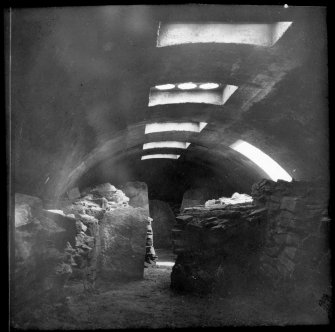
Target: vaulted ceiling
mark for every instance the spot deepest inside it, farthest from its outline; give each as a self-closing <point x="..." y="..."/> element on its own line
<point x="81" y="79"/>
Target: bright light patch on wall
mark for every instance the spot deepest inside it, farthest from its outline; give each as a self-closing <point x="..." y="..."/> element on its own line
<point x="208" y="86"/>
<point x="57" y="211"/>
<point x="166" y="144"/>
<point x="165" y="86"/>
<point x="227" y="92"/>
<point x="161" y="156"/>
<point x="167" y="264"/>
<point x="187" y="86"/>
<point x="259" y="34"/>
<point x="267" y="164"/>
<point x="202" y="125"/>
<point x="174" y="126"/>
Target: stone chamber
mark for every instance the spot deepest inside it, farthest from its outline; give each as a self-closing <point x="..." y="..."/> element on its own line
<point x="169" y="166"/>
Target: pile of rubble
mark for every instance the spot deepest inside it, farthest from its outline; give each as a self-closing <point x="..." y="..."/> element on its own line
<point x="104" y="217"/>
<point x="236" y="198"/>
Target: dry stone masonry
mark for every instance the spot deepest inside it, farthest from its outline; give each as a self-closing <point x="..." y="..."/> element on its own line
<point x="279" y="240"/>
<point x="110" y="240"/>
<point x="217" y="246"/>
<point x="92" y="236"/>
<point x="150" y="254"/>
<point x="297" y="250"/>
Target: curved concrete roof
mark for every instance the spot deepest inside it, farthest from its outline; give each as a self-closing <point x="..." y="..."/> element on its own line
<point x="80" y="82"/>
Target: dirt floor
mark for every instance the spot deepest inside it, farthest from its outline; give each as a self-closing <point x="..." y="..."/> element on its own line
<point x="149" y="303"/>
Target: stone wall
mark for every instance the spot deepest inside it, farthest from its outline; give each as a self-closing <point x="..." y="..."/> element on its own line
<point x="42" y="263"/>
<point x="162" y="224"/>
<point x="296" y="254"/>
<point x="218" y="248"/>
<point x="122" y="239"/>
<point x="110" y="235"/>
<point x="280" y="242"/>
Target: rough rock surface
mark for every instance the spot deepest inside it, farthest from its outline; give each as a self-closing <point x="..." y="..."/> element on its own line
<point x="109" y="243"/>
<point x="162" y="224"/>
<point x="25" y="207"/>
<point x="123" y="241"/>
<point x="138" y="194"/>
<point x="42" y="265"/>
<point x="297" y="248"/>
<point x="279" y="241"/>
<point x="150" y="254"/>
<point x="217" y="248"/>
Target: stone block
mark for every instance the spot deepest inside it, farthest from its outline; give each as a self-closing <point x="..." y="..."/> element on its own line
<point x="288" y="263"/>
<point x="288" y="203"/>
<point x="123" y="244"/>
<point x="290" y="252"/>
<point x="41" y="269"/>
<point x="66" y="222"/>
<point x="272" y="205"/>
<point x="26" y="208"/>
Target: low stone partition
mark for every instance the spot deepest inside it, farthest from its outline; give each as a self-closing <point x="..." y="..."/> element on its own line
<point x="218" y="247"/>
<point x="279" y="241"/>
<point x="111" y="234"/>
<point x="42" y="265"/>
<point x="122" y="244"/>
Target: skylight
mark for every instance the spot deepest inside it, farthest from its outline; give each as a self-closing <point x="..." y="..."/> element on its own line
<point x="207" y="93"/>
<point x="161" y="156"/>
<point x="208" y="86"/>
<point x="259" y="34"/>
<point x="165" y="86"/>
<point x="166" y="144"/>
<point x="187" y="86"/>
<point x="174" y="126"/>
<point x="267" y="164"/>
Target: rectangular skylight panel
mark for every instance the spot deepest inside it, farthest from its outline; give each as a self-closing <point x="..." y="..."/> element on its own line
<point x="242" y="33"/>
<point x="267" y="164"/>
<point x="166" y="144"/>
<point x="161" y="156"/>
<point x="198" y="94"/>
<point x="179" y="97"/>
<point x="174" y="126"/>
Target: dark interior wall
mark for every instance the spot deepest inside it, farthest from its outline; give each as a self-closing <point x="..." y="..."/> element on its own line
<point x="80" y="84"/>
<point x="166" y="181"/>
